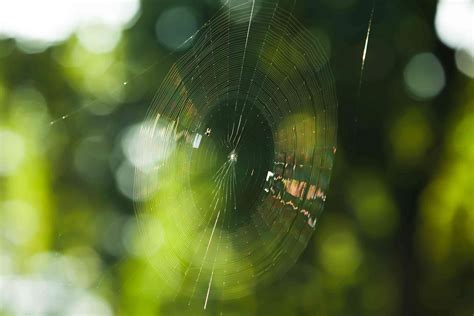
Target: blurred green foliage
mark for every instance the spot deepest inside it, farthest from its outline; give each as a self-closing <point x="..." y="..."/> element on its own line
<point x="396" y="237"/>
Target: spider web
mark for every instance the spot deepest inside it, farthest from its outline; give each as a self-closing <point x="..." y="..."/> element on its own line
<point x="244" y="125"/>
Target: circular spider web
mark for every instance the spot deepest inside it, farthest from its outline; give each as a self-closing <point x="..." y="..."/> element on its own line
<point x="240" y="140"/>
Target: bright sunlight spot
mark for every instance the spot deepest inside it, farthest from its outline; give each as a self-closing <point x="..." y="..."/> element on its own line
<point x="37" y="25"/>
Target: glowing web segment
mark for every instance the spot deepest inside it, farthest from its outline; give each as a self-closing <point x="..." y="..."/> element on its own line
<point x="242" y="133"/>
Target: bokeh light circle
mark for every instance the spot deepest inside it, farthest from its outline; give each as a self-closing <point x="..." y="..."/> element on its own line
<point x="174" y="26"/>
<point x="246" y="122"/>
<point x="424" y="76"/>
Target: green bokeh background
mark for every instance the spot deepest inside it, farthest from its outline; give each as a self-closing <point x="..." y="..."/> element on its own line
<point x="396" y="236"/>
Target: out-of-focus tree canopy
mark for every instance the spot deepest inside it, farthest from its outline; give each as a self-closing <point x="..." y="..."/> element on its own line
<point x="396" y="236"/>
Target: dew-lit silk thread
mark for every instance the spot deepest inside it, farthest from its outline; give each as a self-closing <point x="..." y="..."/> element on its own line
<point x="254" y="81"/>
